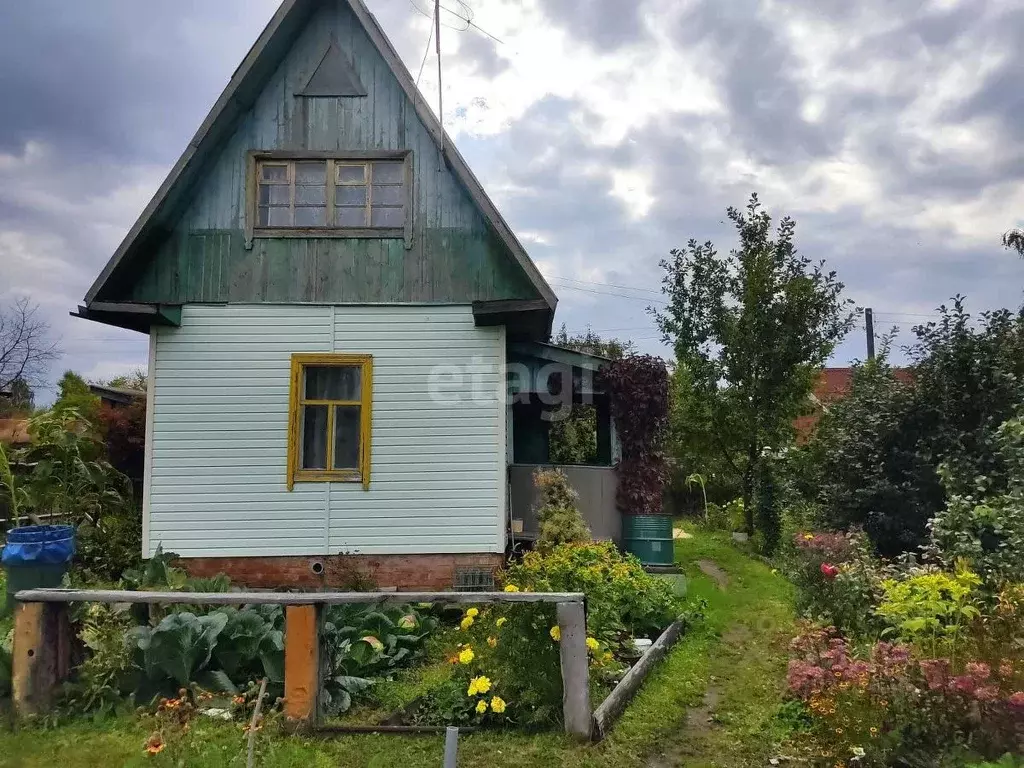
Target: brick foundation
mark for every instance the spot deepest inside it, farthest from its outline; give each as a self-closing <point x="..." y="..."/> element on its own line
<point x="433" y="573"/>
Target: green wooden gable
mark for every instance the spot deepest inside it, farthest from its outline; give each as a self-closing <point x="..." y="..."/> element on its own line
<point x="190" y="244"/>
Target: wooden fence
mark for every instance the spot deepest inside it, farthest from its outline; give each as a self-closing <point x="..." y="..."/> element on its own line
<point x="42" y="640"/>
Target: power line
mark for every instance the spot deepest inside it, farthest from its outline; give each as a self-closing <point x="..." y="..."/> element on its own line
<point x="611" y="293"/>
<point x="657" y="292"/>
<point x="426" y="52"/>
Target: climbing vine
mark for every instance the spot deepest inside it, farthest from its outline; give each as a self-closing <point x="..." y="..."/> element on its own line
<point x="638" y="394"/>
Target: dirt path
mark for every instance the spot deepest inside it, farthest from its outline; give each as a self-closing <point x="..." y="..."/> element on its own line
<point x="734" y="723"/>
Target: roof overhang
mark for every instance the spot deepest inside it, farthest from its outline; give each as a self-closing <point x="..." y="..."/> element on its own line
<point x="134" y="317"/>
<point x="525" y="320"/>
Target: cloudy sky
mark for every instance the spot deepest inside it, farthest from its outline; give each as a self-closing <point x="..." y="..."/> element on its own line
<point x="607" y="132"/>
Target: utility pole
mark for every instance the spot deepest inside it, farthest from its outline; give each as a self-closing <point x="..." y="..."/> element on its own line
<point x="869" y="325"/>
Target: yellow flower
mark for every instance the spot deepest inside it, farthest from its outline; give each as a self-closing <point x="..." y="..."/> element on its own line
<point x="556" y="633"/>
<point x="466" y="623"/>
<point x="607" y="656"/>
<point x="155" y="744"/>
<point x="500" y="622"/>
<point x="492" y="641"/>
<point x="592" y="644"/>
<point x="477" y="685"/>
<point x="466" y="656"/>
<point x="511" y="588"/>
<point x="473" y="613"/>
<point x="498" y="704"/>
<point x="808" y="536"/>
<point x="481" y="706"/>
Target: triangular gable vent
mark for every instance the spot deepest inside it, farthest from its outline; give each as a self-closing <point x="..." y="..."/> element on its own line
<point x="334" y="76"/>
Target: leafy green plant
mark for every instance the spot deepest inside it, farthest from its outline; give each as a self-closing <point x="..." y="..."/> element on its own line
<point x="360" y="641"/>
<point x="932" y="609"/>
<point x="698" y="479"/>
<point x="622" y="599"/>
<point x="107" y="549"/>
<point x="179" y="647"/>
<point x="102" y="677"/>
<point x="15" y="494"/>
<point x="558" y="515"/>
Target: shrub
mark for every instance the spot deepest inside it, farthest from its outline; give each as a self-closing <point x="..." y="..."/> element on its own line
<point x="728" y="516"/>
<point x="986" y="528"/>
<point x="622" y="599"/>
<point x="107" y="549"/>
<point x="558" y="515"/>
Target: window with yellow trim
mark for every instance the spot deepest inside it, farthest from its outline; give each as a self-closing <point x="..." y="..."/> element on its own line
<point x="329" y="419"/>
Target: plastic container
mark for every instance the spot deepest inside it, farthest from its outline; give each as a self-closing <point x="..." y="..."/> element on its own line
<point x="37" y="556"/>
<point x="649" y="537"/>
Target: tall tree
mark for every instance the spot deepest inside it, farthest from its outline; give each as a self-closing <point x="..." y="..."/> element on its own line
<point x="1014" y="239"/>
<point x="26" y="348"/>
<point x="750" y="330"/>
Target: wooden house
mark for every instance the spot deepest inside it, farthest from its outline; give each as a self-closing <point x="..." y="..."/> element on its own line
<point x="332" y="301"/>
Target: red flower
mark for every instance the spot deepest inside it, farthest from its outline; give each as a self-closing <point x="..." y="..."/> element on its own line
<point x="829" y="571"/>
<point x="1016" y="700"/>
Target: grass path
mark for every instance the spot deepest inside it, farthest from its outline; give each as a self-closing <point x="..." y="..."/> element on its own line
<point x="713" y="702"/>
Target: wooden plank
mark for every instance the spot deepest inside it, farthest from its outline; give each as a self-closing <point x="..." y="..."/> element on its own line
<point x="301" y="664"/>
<point x="42" y="655"/>
<point x="289" y="598"/>
<point x="572" y="621"/>
<point x="610" y="709"/>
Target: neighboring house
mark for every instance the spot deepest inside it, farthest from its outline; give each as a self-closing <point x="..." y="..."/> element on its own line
<point x="116" y="397"/>
<point x="832" y="384"/>
<point x="332" y="302"/>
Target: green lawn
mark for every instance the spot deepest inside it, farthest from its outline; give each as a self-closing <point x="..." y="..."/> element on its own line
<point x="736" y="657"/>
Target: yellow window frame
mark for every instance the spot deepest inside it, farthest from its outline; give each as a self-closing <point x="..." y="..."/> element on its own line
<point x="297" y="400"/>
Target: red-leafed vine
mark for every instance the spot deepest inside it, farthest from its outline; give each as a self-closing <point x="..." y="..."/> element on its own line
<point x="638" y="393"/>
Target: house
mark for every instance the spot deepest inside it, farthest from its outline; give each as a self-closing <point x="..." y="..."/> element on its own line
<point x="831" y="385"/>
<point x="335" y="311"/>
<point x="116" y="397"/>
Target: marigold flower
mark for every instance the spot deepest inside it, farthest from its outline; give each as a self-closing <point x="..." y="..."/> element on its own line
<point x="239" y="699"/>
<point x="511" y="588"/>
<point x="498" y="704"/>
<point x="473" y="613"/>
<point x="466" y="623"/>
<point x="477" y="685"/>
<point x="492" y="641"/>
<point x="592" y="644"/>
<point x="808" y="537"/>
<point x="481" y="706"/>
<point x="556" y="633"/>
<point x="466" y="656"/>
<point x="500" y="622"/>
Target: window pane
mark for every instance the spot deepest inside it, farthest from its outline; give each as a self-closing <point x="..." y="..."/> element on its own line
<point x="388" y="195"/>
<point x="351" y="174"/>
<point x="346" y="437"/>
<point x="388" y="173"/>
<point x="264" y="217"/>
<point x="350" y="217"/>
<point x="333" y="382"/>
<point x="311" y="172"/>
<point x="275" y="173"/>
<point x="387" y="217"/>
<point x="311" y="217"/>
<point x="314" y="437"/>
<point x="273" y="194"/>
<point x="279" y="217"/>
<point x="350" y="195"/>
<point x="307" y="194"/>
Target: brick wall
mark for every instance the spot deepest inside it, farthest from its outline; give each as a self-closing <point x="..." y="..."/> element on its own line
<point x="407" y="572"/>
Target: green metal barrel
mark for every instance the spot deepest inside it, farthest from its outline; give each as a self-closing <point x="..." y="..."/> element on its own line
<point x="649" y="537"/>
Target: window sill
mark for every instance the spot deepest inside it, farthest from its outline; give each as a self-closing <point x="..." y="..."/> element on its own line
<point x="396" y="233"/>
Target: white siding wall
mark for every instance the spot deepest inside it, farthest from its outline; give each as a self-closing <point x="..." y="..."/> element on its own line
<point x="216" y="480"/>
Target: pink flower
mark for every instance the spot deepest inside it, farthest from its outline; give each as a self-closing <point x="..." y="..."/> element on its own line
<point x="963" y="684"/>
<point x="936" y="672"/>
<point x="1016" y="700"/>
<point x="829" y="571"/>
<point x="979" y="670"/>
<point x="986" y="693"/>
<point x="1006" y="668"/>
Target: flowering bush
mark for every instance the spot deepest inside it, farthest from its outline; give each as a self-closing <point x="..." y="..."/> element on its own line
<point x="889" y="707"/>
<point x="838" y="579"/>
<point x="623" y="601"/>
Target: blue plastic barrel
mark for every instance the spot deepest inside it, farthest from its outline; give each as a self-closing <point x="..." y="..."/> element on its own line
<point x="37" y="556"/>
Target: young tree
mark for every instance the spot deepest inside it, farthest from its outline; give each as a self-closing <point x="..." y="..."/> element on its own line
<point x="26" y="349"/>
<point x="1014" y="239"/>
<point x="750" y="330"/>
<point x="73" y="393"/>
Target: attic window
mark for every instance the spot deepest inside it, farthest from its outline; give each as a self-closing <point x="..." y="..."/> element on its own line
<point x="336" y="196"/>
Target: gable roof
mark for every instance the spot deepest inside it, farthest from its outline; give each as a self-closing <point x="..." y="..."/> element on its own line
<point x="240" y="93"/>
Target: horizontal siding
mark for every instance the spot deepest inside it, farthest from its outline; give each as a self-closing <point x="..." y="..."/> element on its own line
<point x="220" y="416"/>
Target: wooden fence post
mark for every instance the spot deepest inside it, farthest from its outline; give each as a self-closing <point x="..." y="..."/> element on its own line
<point x="301" y="664"/>
<point x="42" y="655"/>
<point x="572" y="622"/>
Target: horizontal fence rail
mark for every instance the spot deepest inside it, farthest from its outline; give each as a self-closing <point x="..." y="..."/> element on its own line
<point x="42" y="639"/>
